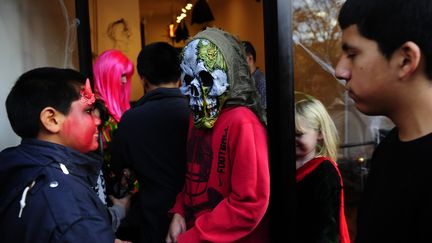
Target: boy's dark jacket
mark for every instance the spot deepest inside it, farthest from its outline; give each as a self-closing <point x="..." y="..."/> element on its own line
<point x="61" y="206"/>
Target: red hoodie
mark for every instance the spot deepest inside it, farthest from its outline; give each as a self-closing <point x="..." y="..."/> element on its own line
<point x="227" y="186"/>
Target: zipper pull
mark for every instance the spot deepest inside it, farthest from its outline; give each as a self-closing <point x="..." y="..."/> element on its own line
<point x="22" y="202"/>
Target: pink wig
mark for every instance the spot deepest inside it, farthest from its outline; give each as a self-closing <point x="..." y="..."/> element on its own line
<point x="112" y="73"/>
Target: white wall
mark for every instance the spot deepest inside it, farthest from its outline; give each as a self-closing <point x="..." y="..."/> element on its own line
<point x="33" y="34"/>
<point x="105" y="12"/>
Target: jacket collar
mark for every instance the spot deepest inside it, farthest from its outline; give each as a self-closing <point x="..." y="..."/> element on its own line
<point x="160" y="93"/>
<point x="51" y="154"/>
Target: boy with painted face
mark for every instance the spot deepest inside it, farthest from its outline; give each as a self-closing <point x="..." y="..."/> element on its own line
<point x="227" y="186"/>
<point x="46" y="183"/>
<point x="387" y="63"/>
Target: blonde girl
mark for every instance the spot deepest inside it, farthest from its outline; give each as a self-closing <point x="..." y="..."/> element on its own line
<point x="320" y="205"/>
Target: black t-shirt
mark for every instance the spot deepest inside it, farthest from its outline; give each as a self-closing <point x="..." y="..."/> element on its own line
<point x="396" y="204"/>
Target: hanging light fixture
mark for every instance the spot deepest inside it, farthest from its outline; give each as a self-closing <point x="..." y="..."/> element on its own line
<point x="201" y="12"/>
<point x="182" y="32"/>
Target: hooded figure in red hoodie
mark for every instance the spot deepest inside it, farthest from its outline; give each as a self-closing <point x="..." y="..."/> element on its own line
<point x="227" y="188"/>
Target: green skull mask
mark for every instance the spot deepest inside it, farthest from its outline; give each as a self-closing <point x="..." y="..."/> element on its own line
<point x="204" y="80"/>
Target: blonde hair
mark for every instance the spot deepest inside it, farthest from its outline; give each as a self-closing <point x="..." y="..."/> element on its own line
<point x="311" y="113"/>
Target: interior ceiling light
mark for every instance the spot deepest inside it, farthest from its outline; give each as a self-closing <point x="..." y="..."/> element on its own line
<point x="183" y="13"/>
<point x="180" y="32"/>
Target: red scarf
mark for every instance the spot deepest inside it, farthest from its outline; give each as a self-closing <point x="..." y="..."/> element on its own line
<point x="310" y="166"/>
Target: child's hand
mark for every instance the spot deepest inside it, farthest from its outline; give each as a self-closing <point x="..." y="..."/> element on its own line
<point x="177" y="226"/>
<point x="122" y="202"/>
<point x="121" y="241"/>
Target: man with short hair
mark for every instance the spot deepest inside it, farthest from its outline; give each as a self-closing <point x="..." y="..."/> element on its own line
<point x="257" y="74"/>
<point x="151" y="139"/>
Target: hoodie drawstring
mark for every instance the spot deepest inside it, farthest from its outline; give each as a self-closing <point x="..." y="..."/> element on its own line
<point x="24" y="196"/>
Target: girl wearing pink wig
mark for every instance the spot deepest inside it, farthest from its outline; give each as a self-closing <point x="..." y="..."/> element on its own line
<point x="112" y="72"/>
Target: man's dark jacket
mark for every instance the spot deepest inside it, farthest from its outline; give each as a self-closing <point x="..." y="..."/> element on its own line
<point x="151" y="139"/>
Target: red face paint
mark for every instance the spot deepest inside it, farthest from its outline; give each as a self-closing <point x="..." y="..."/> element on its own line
<point x="79" y="130"/>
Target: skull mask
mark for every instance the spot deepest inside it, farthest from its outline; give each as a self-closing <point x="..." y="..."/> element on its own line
<point x="204" y="80"/>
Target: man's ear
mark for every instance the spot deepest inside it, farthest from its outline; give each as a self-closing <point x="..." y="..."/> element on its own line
<point x="51" y="119"/>
<point x="144" y="83"/>
<point x="410" y="58"/>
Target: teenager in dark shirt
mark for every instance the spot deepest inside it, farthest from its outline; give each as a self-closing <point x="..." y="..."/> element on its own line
<point x="387" y="63"/>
